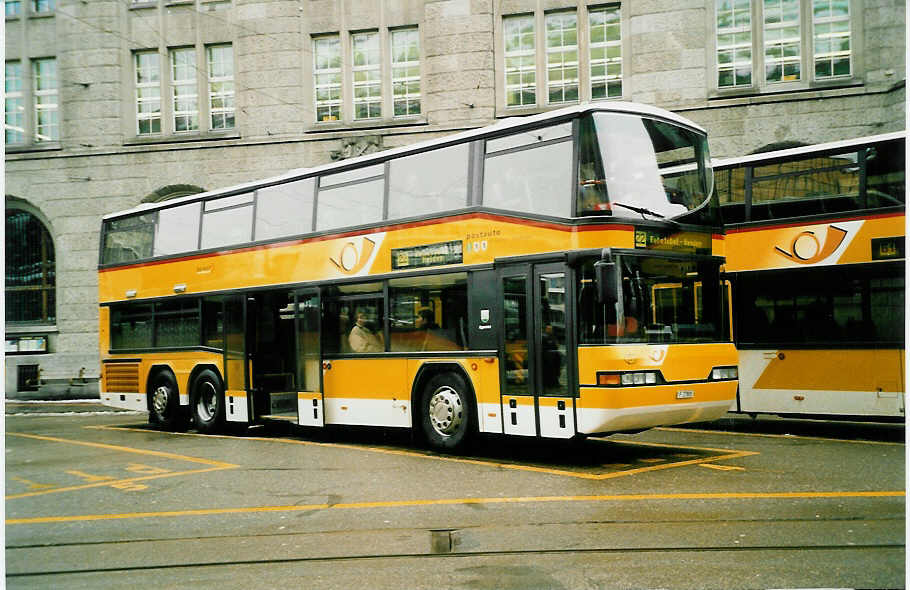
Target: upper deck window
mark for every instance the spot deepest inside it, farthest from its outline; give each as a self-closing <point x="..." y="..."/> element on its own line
<point x="429" y="182"/>
<point x="284" y="209"/>
<point x="227" y="221"/>
<point x="634" y="167"/>
<point x="178" y="230"/>
<point x="350" y="198"/>
<point x="530" y="171"/>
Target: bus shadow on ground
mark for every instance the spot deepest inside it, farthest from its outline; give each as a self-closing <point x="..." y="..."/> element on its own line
<point x="820" y="427"/>
<point x="589" y="456"/>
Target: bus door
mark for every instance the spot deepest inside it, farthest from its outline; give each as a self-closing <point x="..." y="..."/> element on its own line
<point x="309" y="359"/>
<point x="236" y="368"/>
<point x="536" y="386"/>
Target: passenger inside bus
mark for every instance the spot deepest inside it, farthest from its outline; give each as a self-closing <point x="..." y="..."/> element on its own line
<point x="362" y="338"/>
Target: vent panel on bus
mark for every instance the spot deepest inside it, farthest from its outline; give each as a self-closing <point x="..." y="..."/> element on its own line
<point x="121" y="377"/>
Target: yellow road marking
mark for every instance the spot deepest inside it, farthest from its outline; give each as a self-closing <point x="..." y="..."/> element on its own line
<point x="722" y="467"/>
<point x="163" y="454"/>
<point x="32" y="485"/>
<point x="125" y="484"/>
<point x="462" y="501"/>
<point x="790" y="436"/>
<point x="726" y="454"/>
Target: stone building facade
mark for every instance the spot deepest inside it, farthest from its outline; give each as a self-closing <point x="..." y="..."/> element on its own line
<point x="110" y="103"/>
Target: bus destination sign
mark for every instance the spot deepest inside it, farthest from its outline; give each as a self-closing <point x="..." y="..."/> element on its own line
<point x="429" y="255"/>
<point x="689" y="242"/>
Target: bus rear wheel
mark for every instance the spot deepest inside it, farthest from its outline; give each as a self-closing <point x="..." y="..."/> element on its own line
<point x="207" y="402"/>
<point x="164" y="407"/>
<point x="445" y="411"/>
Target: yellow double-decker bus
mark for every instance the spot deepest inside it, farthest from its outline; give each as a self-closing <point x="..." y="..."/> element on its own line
<point x="499" y="280"/>
<point x="815" y="253"/>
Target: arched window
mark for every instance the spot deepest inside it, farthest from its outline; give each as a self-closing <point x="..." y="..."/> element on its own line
<point x="30" y="270"/>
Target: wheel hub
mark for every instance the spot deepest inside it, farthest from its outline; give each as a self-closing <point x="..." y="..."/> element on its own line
<point x="207" y="405"/>
<point x="446" y="411"/>
<point x="160" y="399"/>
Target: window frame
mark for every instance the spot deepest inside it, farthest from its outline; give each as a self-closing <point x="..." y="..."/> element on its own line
<point x="406" y="65"/>
<point x="190" y="83"/>
<point x="346" y="102"/>
<point x="48" y="280"/>
<point x="166" y="86"/>
<point x="330" y="103"/>
<point x="39" y="107"/>
<point x="138" y="100"/>
<point x="225" y="95"/>
<point x="372" y="52"/>
<point x="17" y="95"/>
<point x="807" y="58"/>
<point x="583" y="48"/>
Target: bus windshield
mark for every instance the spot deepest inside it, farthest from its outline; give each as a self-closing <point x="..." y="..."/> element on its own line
<point x="664" y="300"/>
<point x="643" y="168"/>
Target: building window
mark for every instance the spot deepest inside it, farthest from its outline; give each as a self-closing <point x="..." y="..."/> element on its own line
<point x="221" y="85"/>
<point x="47" y="123"/>
<point x="13" y="8"/>
<point x="327" y="77"/>
<point x="562" y="57"/>
<point x="606" y="52"/>
<point x="184" y="89"/>
<point x="578" y="55"/>
<point x="148" y="93"/>
<point x="831" y="38"/>
<point x="366" y="74"/>
<point x="520" y="60"/>
<point x="14" y="105"/>
<point x="30" y="270"/>
<point x="359" y="63"/>
<point x="781" y="35"/>
<point x="787" y="28"/>
<point x="183" y="111"/>
<point x="734" y="43"/>
<point x="405" y="72"/>
<point x="43" y="6"/>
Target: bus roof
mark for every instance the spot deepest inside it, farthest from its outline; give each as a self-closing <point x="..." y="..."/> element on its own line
<point x="717" y="163"/>
<point x="494" y="129"/>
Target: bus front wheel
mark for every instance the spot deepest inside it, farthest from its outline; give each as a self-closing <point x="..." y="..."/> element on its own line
<point x="208" y="402"/>
<point x="164" y="407"/>
<point x="445" y="411"/>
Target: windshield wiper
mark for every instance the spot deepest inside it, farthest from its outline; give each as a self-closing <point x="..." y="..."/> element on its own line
<point x="642" y="211"/>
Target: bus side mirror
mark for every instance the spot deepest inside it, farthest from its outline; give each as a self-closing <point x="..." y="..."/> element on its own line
<point x="607" y="277"/>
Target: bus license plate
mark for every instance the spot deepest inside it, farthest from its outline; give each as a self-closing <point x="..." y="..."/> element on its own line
<point x="685" y="394"/>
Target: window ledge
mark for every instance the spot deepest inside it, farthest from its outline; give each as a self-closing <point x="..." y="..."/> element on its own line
<point x="33" y="147"/>
<point x="843" y="87"/>
<point x="31" y="329"/>
<point x="10" y="17"/>
<point x="328" y="126"/>
<point x="142" y="5"/>
<point x="49" y="14"/>
<point x="167" y="139"/>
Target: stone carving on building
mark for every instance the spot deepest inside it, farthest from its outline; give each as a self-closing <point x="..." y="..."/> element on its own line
<point x="357" y="146"/>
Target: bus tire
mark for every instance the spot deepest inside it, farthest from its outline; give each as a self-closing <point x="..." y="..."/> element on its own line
<point x="207" y="402"/>
<point x="164" y="404"/>
<point x="446" y="411"/>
